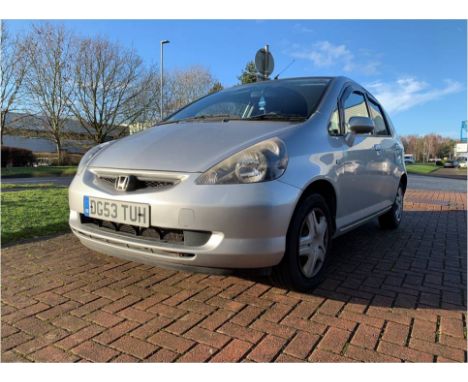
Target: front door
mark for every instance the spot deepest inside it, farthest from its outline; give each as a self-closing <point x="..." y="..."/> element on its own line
<point x="362" y="182"/>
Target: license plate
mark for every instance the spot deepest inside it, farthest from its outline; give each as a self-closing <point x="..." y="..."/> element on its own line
<point x="116" y="211"/>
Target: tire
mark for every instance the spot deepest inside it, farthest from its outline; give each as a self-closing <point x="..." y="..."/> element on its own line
<point x="304" y="271"/>
<point x="392" y="218"/>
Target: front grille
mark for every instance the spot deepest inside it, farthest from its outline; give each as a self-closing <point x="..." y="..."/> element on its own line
<point x="157" y="183"/>
<point x="155" y="234"/>
<point x="107" y="179"/>
<point x="149" y="184"/>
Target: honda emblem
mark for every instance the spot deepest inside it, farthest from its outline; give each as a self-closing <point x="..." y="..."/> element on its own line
<point x="121" y="183"/>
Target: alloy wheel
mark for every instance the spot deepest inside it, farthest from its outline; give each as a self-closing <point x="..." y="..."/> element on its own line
<point x="398" y="204"/>
<point x="313" y="241"/>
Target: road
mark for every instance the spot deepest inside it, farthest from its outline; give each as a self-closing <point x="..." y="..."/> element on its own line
<point x="453" y="173"/>
<point x="420" y="182"/>
<point x="59" y="180"/>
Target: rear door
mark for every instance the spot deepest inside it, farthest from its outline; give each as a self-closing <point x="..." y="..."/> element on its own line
<point x="387" y="151"/>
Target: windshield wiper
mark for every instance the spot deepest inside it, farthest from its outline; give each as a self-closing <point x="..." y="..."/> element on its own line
<point x="206" y="117"/>
<point x="228" y="117"/>
<point x="278" y="116"/>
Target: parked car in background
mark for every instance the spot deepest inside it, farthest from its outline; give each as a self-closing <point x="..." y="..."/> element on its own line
<point x="462" y="162"/>
<point x="451" y="164"/>
<point x="262" y="175"/>
<point x="409" y="159"/>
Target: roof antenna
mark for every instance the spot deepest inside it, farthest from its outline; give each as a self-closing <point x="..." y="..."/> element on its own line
<point x="287" y="67"/>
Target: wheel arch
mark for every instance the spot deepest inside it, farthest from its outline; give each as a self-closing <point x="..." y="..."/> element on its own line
<point x="324" y="188"/>
<point x="404" y="182"/>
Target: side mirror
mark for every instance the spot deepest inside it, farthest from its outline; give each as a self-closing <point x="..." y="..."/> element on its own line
<point x="361" y="125"/>
<point x="358" y="125"/>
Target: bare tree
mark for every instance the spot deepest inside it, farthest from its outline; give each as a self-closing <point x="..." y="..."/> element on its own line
<point x="145" y="106"/>
<point x="188" y="85"/>
<point x="431" y="143"/>
<point x="111" y="88"/>
<point x="12" y="71"/>
<point x="49" y="51"/>
<point x="429" y="146"/>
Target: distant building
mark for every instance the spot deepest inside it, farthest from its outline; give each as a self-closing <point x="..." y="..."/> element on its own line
<point x="461" y="150"/>
<point x="27" y="132"/>
<point x="139" y="126"/>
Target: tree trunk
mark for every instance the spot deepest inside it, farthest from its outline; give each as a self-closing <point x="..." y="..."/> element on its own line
<point x="59" y="153"/>
<point x="2" y="127"/>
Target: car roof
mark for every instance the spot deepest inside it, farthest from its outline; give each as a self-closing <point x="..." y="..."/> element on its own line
<point x="306" y="78"/>
<point x="274" y="81"/>
<point x="333" y="80"/>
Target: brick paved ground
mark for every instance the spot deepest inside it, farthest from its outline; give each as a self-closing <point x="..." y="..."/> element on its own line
<point x="389" y="296"/>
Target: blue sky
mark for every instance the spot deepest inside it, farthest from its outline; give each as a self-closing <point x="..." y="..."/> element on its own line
<point x="417" y="68"/>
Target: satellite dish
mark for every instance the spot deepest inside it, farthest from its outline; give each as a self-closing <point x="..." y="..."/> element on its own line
<point x="264" y="62"/>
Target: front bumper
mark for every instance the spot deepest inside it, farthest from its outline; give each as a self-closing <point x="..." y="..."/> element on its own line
<point x="248" y="223"/>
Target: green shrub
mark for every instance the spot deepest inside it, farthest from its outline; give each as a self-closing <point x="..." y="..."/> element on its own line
<point x="16" y="157"/>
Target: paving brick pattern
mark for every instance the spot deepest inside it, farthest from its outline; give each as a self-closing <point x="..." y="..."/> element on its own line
<point x="389" y="296"/>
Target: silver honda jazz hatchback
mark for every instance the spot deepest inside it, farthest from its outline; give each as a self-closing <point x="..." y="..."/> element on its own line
<point x="262" y="175"/>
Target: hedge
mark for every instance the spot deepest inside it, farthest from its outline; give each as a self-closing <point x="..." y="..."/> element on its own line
<point x="14" y="157"/>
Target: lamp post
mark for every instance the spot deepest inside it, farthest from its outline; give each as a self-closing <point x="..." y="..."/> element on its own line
<point x="162" y="74"/>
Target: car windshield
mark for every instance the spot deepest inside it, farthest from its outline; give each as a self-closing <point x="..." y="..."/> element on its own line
<point x="289" y="99"/>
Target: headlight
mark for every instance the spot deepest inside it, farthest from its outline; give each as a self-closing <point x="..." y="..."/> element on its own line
<point x="261" y="162"/>
<point x="89" y="155"/>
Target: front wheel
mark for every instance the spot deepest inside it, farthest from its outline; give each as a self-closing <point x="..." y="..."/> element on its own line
<point x="392" y="218"/>
<point x="307" y="245"/>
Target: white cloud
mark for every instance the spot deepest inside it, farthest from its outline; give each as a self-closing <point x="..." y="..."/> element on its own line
<point x="325" y="54"/>
<point x="370" y="68"/>
<point x="407" y="92"/>
<point x="301" y="28"/>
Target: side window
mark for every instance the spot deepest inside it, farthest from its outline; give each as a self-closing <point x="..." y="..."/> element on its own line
<point x="334" y="124"/>
<point x="354" y="106"/>
<point x="379" y="121"/>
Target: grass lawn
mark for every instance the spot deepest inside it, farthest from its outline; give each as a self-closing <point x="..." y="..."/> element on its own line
<point x="421" y="168"/>
<point x="9" y="186"/>
<point x="33" y="213"/>
<point x="27" y="172"/>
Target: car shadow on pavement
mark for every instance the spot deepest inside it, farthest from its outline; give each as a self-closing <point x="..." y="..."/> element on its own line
<point x="422" y="264"/>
